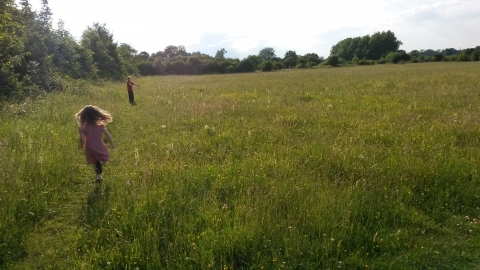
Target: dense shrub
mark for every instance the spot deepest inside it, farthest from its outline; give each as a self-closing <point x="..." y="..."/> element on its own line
<point x="396" y="57"/>
<point x="300" y="65"/>
<point x="212" y="67"/>
<point x="381" y="61"/>
<point x="267" y="65"/>
<point x="476" y="56"/>
<point x="463" y="58"/>
<point x="230" y="69"/>
<point x="177" y="67"/>
<point x="146" y="69"/>
<point x="245" y="66"/>
<point x="278" y="65"/>
<point x="290" y="62"/>
<point x="355" y="60"/>
<point x="365" y="62"/>
<point x="438" y="57"/>
<point x="333" y="60"/>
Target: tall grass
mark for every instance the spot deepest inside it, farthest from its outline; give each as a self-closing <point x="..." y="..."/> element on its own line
<point x="350" y="168"/>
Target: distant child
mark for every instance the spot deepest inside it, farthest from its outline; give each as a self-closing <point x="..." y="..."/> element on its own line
<point x="130" y="85"/>
<point x="91" y="126"/>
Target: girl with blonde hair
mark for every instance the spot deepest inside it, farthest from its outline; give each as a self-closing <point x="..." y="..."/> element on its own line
<point x="91" y="128"/>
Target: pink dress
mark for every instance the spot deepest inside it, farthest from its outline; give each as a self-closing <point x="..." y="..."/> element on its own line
<point x="95" y="148"/>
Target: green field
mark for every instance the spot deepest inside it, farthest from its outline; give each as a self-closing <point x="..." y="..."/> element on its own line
<point x="364" y="167"/>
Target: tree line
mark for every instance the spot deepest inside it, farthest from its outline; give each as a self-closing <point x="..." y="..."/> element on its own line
<point x="383" y="47"/>
<point x="36" y="58"/>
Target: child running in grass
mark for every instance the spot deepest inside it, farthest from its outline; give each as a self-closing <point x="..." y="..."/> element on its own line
<point x="130" y="85"/>
<point x="91" y="126"/>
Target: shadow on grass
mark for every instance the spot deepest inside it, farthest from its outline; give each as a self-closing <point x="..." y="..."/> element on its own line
<point x="97" y="205"/>
<point x="133" y="103"/>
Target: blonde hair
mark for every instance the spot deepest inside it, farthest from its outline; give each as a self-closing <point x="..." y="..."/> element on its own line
<point x="93" y="115"/>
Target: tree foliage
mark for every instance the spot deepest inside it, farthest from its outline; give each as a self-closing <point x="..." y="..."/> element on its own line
<point x="11" y="51"/>
<point x="267" y="53"/>
<point x="267" y="65"/>
<point x="106" y="57"/>
<point x="333" y="60"/>
<point x="221" y="54"/>
<point x="369" y="47"/>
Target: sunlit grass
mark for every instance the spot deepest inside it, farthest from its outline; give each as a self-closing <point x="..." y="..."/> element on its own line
<point x="361" y="167"/>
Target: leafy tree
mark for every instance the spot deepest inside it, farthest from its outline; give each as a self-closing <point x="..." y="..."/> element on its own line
<point x="230" y="69"/>
<point x="146" y="69"/>
<point x="371" y="47"/>
<point x="291" y="54"/>
<point x="428" y="52"/>
<point x="105" y="51"/>
<point x="11" y="52"/>
<point x="313" y="58"/>
<point x="476" y="56"/>
<point x="177" y="67"/>
<point x="245" y="65"/>
<point x="182" y="51"/>
<point x="39" y="43"/>
<point x="143" y="55"/>
<point x="70" y="58"/>
<point x="344" y="49"/>
<point x="363" y="47"/>
<point x="450" y="51"/>
<point x="302" y="60"/>
<point x="225" y="64"/>
<point x="172" y="51"/>
<point x="159" y="54"/>
<point x="289" y="62"/>
<point x="290" y="59"/>
<point x="255" y="59"/>
<point x="381" y="43"/>
<point x="463" y="58"/>
<point x="159" y="67"/>
<point x="212" y="66"/>
<point x="221" y="54"/>
<point x="127" y="54"/>
<point x="267" y="53"/>
<point x="414" y="53"/>
<point x="438" y="57"/>
<point x="278" y="65"/>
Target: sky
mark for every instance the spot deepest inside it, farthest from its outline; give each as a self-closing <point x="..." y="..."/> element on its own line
<point x="244" y="27"/>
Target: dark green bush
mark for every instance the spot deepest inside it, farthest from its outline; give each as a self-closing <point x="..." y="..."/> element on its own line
<point x="267" y="65"/>
<point x="333" y="60"/>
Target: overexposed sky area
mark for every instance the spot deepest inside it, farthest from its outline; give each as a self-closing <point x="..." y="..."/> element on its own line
<point x="247" y="26"/>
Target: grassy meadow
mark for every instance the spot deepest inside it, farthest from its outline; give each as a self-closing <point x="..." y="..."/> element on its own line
<point x="365" y="167"/>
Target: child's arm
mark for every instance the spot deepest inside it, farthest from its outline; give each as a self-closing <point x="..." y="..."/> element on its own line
<point x="109" y="137"/>
<point x="81" y="140"/>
